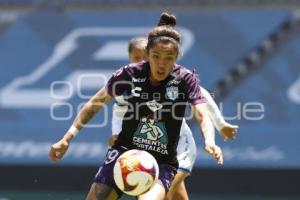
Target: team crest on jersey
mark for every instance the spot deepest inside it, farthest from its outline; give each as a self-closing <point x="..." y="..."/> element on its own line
<point x="172" y="92"/>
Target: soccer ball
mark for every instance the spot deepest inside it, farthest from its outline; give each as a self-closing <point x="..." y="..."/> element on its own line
<point x="135" y="172"/>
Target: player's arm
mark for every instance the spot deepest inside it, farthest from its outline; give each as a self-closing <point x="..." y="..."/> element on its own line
<point x="88" y="111"/>
<point x="227" y="130"/>
<point x="208" y="131"/>
<point x="199" y="108"/>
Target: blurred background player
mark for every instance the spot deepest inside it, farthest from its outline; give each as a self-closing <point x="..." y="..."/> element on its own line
<point x="186" y="150"/>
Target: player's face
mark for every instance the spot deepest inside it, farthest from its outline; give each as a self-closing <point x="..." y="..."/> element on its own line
<point x="137" y="54"/>
<point x="162" y="57"/>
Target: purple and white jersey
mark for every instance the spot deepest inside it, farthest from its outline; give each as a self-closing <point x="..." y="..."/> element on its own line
<point x="155" y="110"/>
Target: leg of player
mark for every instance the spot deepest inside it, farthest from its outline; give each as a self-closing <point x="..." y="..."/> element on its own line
<point x="181" y="193"/>
<point x="177" y="190"/>
<point x="165" y="178"/>
<point x="104" y="187"/>
<point x="99" y="191"/>
<point x="186" y="155"/>
<point x="157" y="192"/>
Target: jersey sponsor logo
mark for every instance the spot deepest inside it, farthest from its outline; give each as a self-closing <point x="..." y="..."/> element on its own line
<point x="135" y="91"/>
<point x="172" y="92"/>
<point x="151" y="135"/>
<point x="154" y="105"/>
<point x="138" y="80"/>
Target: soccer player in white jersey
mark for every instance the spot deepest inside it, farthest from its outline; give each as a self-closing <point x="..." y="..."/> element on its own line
<point x="186" y="149"/>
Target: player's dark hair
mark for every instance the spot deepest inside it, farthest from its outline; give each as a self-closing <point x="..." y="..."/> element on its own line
<point x="167" y="19"/>
<point x="164" y="32"/>
<point x="135" y="42"/>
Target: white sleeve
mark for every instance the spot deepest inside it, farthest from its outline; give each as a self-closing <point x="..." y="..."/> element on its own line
<point x="117" y="118"/>
<point x="213" y="110"/>
<point x="186" y="149"/>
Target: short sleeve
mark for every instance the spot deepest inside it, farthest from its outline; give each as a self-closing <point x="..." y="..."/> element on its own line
<point x="118" y="83"/>
<point x="193" y="89"/>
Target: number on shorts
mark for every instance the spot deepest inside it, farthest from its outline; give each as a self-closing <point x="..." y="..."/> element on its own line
<point x="111" y="156"/>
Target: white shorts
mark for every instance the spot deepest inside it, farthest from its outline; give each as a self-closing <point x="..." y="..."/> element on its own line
<point x="186" y="149"/>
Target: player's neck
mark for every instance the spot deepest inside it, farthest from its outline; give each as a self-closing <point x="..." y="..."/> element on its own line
<point x="154" y="82"/>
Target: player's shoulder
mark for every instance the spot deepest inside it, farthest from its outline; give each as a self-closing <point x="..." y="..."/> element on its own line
<point x="135" y="68"/>
<point x="184" y="73"/>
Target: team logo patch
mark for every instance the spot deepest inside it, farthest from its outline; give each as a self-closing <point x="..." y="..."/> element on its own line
<point x="172" y="92"/>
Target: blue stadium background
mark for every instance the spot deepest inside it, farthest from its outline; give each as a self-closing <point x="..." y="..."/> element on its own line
<point x="43" y="47"/>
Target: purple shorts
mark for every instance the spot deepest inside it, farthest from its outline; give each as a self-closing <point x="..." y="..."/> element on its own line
<point x="105" y="172"/>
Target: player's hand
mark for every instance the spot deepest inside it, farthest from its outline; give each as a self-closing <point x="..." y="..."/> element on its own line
<point x="228" y="131"/>
<point x="59" y="149"/>
<point x="112" y="140"/>
<point x="215" y="151"/>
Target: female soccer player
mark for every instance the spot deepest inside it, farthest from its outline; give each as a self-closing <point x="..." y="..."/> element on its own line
<point x="186" y="150"/>
<point x="159" y="91"/>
